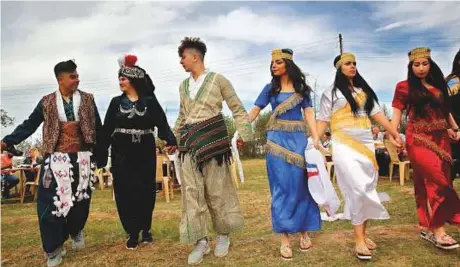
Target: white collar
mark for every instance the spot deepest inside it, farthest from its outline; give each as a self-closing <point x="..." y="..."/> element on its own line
<point x="201" y="75"/>
<point x="76" y="99"/>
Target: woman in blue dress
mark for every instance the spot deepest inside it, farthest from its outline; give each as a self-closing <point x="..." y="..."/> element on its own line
<point x="293" y="209"/>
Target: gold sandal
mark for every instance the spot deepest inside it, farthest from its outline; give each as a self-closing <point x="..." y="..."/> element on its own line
<point x="286" y="252"/>
<point x="305" y="243"/>
<point x="363" y="253"/>
<point x="370" y="244"/>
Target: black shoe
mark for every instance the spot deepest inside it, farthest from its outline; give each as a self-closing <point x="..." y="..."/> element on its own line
<point x="132" y="243"/>
<point x="146" y="237"/>
<point x="12" y="150"/>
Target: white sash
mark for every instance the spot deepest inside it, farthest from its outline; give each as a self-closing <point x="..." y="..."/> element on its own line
<point x="76" y="98"/>
<point x="236" y="156"/>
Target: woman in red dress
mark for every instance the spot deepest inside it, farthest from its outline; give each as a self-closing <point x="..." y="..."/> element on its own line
<point x="424" y="95"/>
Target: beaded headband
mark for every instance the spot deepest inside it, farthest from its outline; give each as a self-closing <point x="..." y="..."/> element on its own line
<point x="279" y="54"/>
<point x="344" y="58"/>
<point x="419" y="52"/>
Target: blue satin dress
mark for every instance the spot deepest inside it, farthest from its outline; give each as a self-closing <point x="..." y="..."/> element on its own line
<point x="293" y="208"/>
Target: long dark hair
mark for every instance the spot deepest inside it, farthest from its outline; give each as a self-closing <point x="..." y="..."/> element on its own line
<point x="419" y="96"/>
<point x="455" y="66"/>
<point x="294" y="73"/>
<point x="342" y="83"/>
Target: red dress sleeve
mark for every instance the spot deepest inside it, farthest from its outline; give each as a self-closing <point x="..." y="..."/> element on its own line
<point x="400" y="99"/>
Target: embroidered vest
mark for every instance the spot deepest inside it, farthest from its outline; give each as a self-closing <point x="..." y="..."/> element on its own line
<point x="51" y="125"/>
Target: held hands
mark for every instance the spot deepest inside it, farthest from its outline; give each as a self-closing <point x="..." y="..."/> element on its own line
<point x="454" y="136"/>
<point x="316" y="143"/>
<point x="396" y="140"/>
<point x="170" y="149"/>
<point x="239" y="143"/>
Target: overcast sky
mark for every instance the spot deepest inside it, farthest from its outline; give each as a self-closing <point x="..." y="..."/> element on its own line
<point x="239" y="36"/>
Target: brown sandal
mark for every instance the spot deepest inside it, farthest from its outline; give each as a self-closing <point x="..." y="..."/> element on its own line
<point x="286" y="252"/>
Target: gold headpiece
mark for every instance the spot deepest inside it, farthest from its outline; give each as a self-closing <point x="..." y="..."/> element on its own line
<point x="419" y="52"/>
<point x="344" y="58"/>
<point x="278" y="54"/>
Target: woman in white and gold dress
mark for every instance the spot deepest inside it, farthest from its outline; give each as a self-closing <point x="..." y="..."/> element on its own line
<point x="347" y="106"/>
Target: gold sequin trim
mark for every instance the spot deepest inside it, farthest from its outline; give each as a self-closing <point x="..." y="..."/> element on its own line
<point x="288" y="156"/>
<point x="423" y="141"/>
<point x="430" y="126"/>
<point x="288" y="126"/>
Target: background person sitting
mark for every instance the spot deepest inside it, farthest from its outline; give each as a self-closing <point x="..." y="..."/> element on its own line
<point x="7" y="179"/>
<point x="34" y="159"/>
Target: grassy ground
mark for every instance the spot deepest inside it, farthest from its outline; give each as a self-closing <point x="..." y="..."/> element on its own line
<point x="256" y="245"/>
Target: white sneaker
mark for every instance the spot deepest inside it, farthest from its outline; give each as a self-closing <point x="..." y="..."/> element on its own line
<point x="55" y="258"/>
<point x="222" y="245"/>
<point x="201" y="248"/>
<point x="78" y="241"/>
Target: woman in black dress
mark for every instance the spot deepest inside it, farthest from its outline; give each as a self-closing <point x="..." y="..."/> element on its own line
<point x="129" y="129"/>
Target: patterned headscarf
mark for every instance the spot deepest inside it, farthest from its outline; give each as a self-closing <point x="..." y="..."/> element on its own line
<point x="128" y="67"/>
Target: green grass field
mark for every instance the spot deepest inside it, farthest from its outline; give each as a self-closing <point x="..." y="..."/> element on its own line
<point x="256" y="245"/>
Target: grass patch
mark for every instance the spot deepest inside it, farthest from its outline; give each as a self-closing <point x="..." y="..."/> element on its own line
<point x="255" y="245"/>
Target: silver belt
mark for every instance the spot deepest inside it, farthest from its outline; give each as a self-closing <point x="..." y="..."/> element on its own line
<point x="136" y="133"/>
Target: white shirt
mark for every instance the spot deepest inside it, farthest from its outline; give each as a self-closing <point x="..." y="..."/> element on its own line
<point x="194" y="85"/>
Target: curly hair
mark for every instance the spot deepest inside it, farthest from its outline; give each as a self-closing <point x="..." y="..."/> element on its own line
<point x="192" y="43"/>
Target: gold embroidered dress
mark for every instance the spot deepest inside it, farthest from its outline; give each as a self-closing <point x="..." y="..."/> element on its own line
<point x="293" y="209"/>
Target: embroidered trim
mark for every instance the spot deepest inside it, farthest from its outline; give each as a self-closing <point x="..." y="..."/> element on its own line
<point x="60" y="165"/>
<point x="61" y="168"/>
<point x="132" y="72"/>
<point x="282" y="108"/>
<point x="86" y="175"/>
<point x="429" y="126"/>
<point x="288" y="104"/>
<point x="423" y="141"/>
<point x="288" y="126"/>
<point x="288" y="156"/>
<point x="202" y="87"/>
